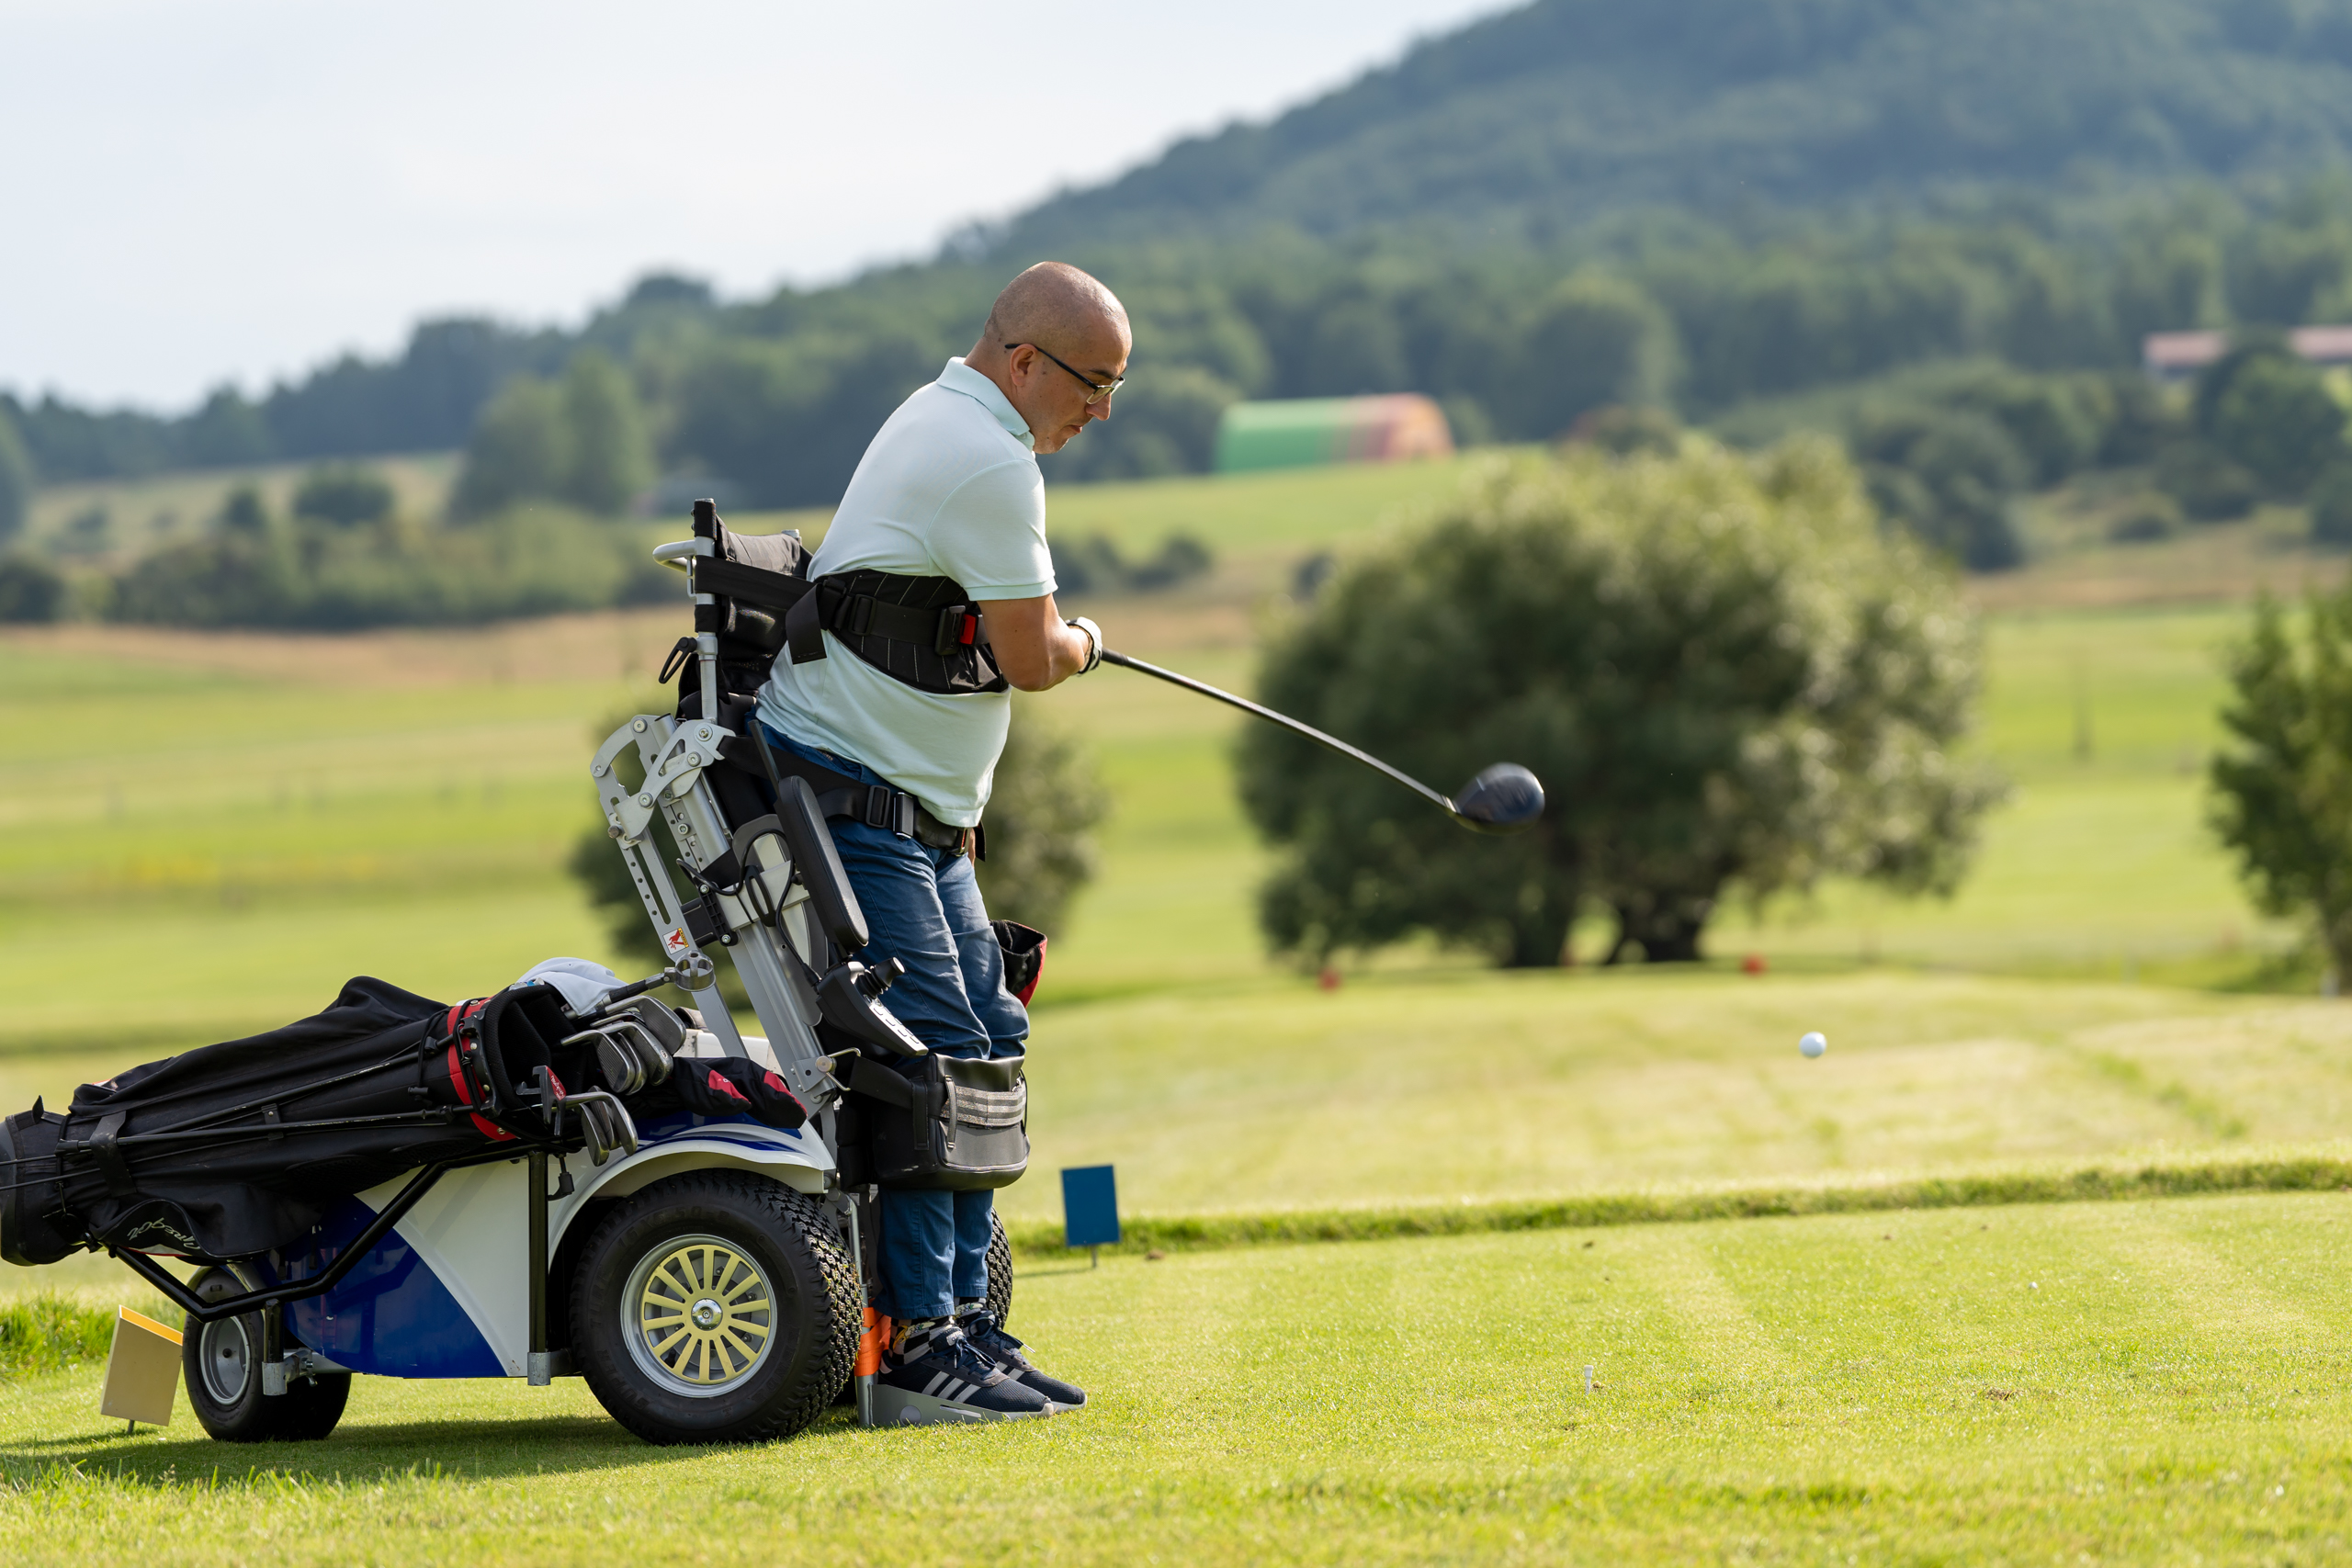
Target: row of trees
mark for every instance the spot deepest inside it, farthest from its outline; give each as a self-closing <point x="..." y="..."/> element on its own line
<point x="1517" y="339"/>
<point x="343" y="558"/>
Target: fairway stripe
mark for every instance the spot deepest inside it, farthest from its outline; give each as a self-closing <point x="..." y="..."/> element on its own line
<point x="1678" y="1266"/>
<point x="2222" y="1302"/>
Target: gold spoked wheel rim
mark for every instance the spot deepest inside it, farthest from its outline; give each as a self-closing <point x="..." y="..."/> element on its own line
<point x="699" y="1315"/>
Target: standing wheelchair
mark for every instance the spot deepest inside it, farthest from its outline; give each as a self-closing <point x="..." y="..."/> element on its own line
<point x="389" y="1188"/>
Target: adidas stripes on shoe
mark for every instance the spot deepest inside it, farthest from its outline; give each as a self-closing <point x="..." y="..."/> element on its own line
<point x="988" y="1336"/>
<point x="934" y="1373"/>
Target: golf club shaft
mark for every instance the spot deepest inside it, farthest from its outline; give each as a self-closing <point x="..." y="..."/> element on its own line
<point x="1341" y="747"/>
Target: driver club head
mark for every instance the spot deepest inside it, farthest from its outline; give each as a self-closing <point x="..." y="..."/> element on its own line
<point x="1505" y="798"/>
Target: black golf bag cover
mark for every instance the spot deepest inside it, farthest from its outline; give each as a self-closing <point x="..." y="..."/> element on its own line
<point x="273" y="1129"/>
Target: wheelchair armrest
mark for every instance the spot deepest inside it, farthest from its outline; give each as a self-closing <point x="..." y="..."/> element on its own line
<point x="847" y="996"/>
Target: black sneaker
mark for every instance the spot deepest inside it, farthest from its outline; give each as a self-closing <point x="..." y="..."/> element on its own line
<point x="989" y="1338"/>
<point x="946" y="1378"/>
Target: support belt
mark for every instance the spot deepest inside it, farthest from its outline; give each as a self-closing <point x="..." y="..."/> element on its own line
<point x="877" y="805"/>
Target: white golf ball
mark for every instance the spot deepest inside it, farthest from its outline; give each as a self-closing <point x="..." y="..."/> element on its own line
<point x="1813" y="1045"/>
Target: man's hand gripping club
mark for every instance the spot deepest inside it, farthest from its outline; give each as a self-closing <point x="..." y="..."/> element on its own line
<point x="1036" y="648"/>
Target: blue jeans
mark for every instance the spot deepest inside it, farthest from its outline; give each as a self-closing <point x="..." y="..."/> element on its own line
<point x="922" y="908"/>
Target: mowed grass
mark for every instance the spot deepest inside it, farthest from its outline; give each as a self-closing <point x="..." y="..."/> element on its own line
<point x="2143" y="1383"/>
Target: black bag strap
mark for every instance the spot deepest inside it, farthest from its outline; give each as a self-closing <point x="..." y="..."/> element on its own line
<point x="804" y="628"/>
<point x="869" y="1077"/>
<point x="716" y="574"/>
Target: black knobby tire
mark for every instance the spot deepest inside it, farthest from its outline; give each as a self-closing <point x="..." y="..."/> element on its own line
<point x="663" y="1322"/>
<point x="221" y="1362"/>
<point x="999" y="1268"/>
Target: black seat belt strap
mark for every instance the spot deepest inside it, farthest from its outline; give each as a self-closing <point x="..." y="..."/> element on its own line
<point x="838" y="795"/>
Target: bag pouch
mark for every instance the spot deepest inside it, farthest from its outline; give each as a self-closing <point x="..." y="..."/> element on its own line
<point x="946" y="1124"/>
<point x="1024" y="957"/>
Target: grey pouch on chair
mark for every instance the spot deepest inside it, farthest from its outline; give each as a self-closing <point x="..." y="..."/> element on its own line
<point x="946" y="1123"/>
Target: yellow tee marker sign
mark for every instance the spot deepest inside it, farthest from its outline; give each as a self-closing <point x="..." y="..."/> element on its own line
<point x="142" y="1369"/>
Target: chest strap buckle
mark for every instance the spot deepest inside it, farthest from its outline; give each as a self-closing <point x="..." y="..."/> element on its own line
<point x="958" y="628"/>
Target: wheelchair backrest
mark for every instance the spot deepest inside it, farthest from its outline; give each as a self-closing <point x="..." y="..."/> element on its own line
<point x="744" y="614"/>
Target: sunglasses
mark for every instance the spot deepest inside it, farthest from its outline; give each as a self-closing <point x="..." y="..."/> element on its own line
<point x="1096" y="390"/>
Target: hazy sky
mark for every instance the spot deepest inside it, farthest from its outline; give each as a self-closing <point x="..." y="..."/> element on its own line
<point x="207" y="190"/>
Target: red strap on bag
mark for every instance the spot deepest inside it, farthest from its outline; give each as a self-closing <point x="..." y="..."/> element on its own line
<point x="461" y="1082"/>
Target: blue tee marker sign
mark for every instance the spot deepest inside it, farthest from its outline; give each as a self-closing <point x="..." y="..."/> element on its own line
<point x="1090" y="1207"/>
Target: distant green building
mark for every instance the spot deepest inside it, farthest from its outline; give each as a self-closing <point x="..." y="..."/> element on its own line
<point x="1298" y="433"/>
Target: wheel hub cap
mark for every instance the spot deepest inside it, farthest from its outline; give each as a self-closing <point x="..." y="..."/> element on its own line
<point x="227" y="1358"/>
<point x="701" y="1315"/>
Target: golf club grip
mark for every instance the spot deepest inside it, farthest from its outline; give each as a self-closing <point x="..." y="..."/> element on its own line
<point x="1111" y="655"/>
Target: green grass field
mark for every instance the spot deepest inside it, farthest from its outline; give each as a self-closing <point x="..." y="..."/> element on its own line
<point x="2141" y="1383"/>
<point x="204" y="835"/>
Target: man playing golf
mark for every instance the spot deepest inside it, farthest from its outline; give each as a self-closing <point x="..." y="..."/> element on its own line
<point x="950" y="489"/>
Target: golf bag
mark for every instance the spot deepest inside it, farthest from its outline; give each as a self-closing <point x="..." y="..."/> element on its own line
<point x="238" y="1148"/>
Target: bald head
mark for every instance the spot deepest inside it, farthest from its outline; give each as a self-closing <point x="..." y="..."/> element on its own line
<point x="1053" y="337"/>
<point x="1055" y="307"/>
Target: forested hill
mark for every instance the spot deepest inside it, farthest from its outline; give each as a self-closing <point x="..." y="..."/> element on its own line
<point x="1538" y="119"/>
<point x="1826" y="191"/>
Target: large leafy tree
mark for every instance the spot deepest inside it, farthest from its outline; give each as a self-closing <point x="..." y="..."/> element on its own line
<point x="1726" y="674"/>
<point x="2282" y="794"/>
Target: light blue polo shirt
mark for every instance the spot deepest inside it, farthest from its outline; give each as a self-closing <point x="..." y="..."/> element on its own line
<point x="949" y="487"/>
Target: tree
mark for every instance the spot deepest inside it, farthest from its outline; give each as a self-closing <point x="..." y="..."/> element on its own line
<point x="2200" y="477"/>
<point x="2332" y="505"/>
<point x="31" y="591"/>
<point x="1947" y="475"/>
<point x="1165" y="424"/>
<point x="1726" y="676"/>
<point x="1042" y="808"/>
<point x="2282" y="793"/>
<point x="610" y="456"/>
<point x="521" y="447"/>
<point x="344" y="494"/>
<point x="243" y="515"/>
<point x="2277" y="419"/>
<point x="15" y="480"/>
<point x="789" y="421"/>
<point x="1594" y="342"/>
<point x="224" y="431"/>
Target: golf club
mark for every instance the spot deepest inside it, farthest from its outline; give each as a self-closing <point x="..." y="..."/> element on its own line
<point x="1504" y="798"/>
